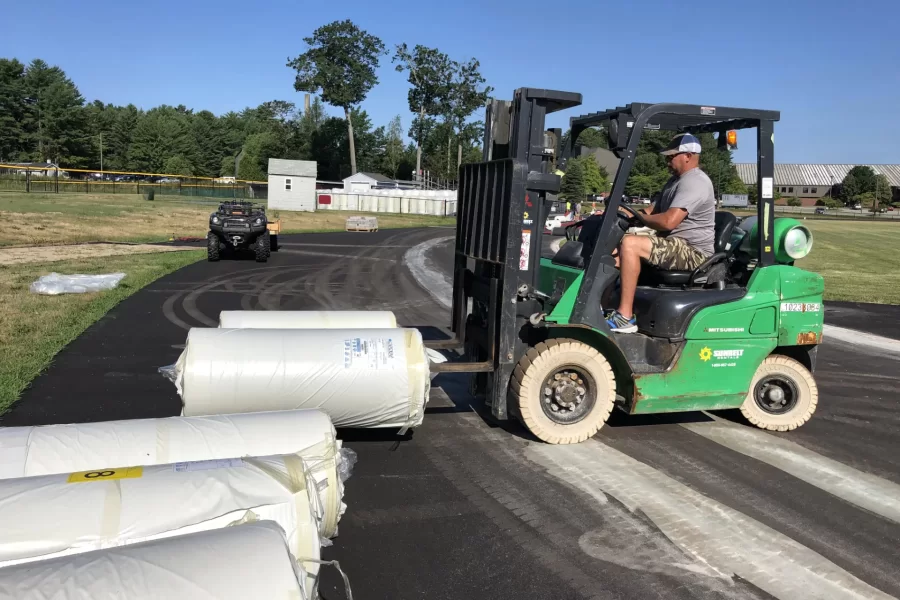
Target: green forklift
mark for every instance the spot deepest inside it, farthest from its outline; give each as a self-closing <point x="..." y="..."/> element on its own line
<point x="739" y="332"/>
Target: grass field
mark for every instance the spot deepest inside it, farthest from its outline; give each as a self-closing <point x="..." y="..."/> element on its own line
<point x="859" y="261"/>
<point x="33" y="328"/>
<point x="35" y="219"/>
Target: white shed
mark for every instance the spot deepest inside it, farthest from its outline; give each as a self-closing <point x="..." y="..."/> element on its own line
<point x="363" y="182"/>
<point x="292" y="184"/>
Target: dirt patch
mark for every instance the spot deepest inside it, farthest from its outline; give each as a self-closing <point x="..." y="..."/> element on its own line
<point x="44" y="254"/>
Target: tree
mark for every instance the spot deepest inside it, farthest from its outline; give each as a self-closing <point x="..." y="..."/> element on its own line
<point x="12" y="109"/>
<point x="55" y="123"/>
<point x="160" y="134"/>
<point x="431" y="75"/>
<point x="596" y="178"/>
<point x="859" y="180"/>
<point x="393" y="148"/>
<point x="309" y="124"/>
<point x="717" y="164"/>
<point x="574" y="188"/>
<point x="341" y="62"/>
<point x="793" y="201"/>
<point x="828" y="202"/>
<point x="179" y="165"/>
<point x="883" y="191"/>
<point x="592" y="137"/>
<point x="464" y="97"/>
<point x="208" y="141"/>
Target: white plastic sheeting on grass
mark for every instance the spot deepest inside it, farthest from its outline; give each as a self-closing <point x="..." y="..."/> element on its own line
<point x="52" y="449"/>
<point x="244" y="561"/>
<point x="55" y="284"/>
<point x="59" y="515"/>
<point x="307" y="319"/>
<point x="360" y="377"/>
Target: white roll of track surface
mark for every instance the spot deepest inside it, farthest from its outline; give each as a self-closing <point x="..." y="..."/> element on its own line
<point x="59" y="515"/>
<point x="245" y="561"/>
<point x="359" y="377"/>
<point x="307" y="319"/>
<point x="53" y="449"/>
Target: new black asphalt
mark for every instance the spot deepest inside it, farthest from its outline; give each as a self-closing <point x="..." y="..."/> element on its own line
<point x="456" y="509"/>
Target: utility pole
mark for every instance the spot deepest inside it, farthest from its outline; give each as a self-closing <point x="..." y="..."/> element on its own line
<point x="101" y="152"/>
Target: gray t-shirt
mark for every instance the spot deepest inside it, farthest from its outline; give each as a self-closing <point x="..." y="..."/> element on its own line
<point x="693" y="192"/>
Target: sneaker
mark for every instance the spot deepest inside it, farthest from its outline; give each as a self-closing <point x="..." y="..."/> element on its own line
<point x="619" y="324"/>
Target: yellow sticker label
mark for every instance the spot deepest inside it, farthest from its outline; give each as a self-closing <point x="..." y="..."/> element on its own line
<point x="705" y="354"/>
<point x="768" y="248"/>
<point x="106" y="474"/>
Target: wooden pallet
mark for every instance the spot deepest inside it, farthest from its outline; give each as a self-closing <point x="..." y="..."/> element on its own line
<point x="361" y="224"/>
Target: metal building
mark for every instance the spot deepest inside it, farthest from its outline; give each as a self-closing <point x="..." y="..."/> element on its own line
<point x="813" y="181"/>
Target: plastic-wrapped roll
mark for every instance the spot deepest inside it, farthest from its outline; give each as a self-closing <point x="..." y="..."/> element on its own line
<point x="307" y="319"/>
<point x="59" y="515"/>
<point x="360" y="377"/>
<point x="51" y="449"/>
<point x="244" y="561"/>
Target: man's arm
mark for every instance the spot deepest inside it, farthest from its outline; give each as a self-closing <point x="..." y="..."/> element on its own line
<point x="666" y="221"/>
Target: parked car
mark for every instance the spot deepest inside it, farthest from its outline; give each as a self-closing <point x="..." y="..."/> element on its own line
<point x="820" y="211"/>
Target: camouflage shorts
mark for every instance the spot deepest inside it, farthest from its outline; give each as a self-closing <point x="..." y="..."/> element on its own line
<point x="674" y="254"/>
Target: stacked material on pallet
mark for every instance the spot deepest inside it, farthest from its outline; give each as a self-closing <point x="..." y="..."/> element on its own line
<point x="53" y="449"/>
<point x="60" y="515"/>
<point x="307" y="319"/>
<point x="251" y="560"/>
<point x="359" y="377"/>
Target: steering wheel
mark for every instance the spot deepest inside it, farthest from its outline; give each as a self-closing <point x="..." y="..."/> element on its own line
<point x="635" y="215"/>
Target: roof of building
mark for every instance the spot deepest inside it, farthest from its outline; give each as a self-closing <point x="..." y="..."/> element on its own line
<point x="293" y="168"/>
<point x="814" y="174"/>
<point x="378" y="177"/>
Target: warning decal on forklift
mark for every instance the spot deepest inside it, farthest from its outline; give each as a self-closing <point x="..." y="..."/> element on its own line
<point x="525" y="251"/>
<point x="707" y="110"/>
<point x="768" y="185"/>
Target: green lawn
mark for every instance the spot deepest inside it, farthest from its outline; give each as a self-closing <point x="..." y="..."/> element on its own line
<point x="35" y="219"/>
<point x="34" y="328"/>
<point x="859" y="261"/>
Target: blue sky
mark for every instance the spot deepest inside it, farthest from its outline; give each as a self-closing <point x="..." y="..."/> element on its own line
<point x="831" y="67"/>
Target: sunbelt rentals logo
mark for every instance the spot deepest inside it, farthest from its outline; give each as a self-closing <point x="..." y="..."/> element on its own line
<point x="706" y="354"/>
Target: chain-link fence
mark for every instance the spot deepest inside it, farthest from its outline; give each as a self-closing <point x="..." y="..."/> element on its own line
<point x="37" y="178"/>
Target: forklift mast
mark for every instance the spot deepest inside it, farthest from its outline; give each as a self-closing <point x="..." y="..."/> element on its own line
<point x="501" y="208"/>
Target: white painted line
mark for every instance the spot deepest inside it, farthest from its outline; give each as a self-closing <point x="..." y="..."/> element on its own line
<point x="438" y="285"/>
<point x="860" y="338"/>
<point x="867" y="491"/>
<point x="719" y="538"/>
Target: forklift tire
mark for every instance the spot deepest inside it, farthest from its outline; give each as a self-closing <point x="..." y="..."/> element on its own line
<point x="783" y="395"/>
<point x="212" y="247"/>
<point x="534" y="385"/>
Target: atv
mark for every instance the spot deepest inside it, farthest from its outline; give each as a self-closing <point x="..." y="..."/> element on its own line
<point x="237" y="226"/>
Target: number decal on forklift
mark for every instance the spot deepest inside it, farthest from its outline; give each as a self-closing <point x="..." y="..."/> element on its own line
<point x="106" y="474"/>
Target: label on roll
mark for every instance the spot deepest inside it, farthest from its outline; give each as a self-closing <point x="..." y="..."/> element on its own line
<point x="374" y="353"/>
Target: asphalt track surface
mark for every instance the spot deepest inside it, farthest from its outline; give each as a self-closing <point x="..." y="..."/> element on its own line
<point x="671" y="506"/>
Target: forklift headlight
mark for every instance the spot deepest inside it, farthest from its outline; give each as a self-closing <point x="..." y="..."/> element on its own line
<point x="258" y="221"/>
<point x="798" y="242"/>
<point x="215" y="220"/>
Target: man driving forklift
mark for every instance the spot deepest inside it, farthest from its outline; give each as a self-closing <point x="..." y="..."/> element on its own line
<point x="685" y="220"/>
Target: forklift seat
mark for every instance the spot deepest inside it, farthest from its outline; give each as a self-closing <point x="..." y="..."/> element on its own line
<point x="570" y="255"/>
<point x="652" y="276"/>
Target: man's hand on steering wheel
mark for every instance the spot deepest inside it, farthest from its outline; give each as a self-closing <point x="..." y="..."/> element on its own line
<point x="633" y="215"/>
